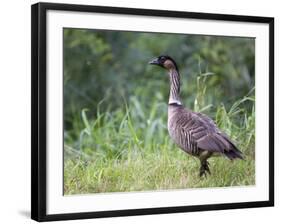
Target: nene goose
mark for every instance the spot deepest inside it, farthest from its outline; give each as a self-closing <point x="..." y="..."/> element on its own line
<point x="193" y="132"/>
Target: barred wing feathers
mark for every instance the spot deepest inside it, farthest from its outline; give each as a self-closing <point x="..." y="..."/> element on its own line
<point x="195" y="132"/>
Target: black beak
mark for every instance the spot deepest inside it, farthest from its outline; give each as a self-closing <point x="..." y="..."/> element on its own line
<point x="154" y="61"/>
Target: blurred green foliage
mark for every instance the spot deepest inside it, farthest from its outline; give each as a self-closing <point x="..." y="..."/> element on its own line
<point x="115" y="108"/>
<point x="112" y="65"/>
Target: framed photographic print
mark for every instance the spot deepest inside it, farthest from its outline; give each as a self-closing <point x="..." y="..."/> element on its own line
<point x="139" y="111"/>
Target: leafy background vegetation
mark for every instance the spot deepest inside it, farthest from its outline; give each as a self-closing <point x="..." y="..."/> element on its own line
<point x="115" y="109"/>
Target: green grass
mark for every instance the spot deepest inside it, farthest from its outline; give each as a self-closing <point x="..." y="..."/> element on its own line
<point x="171" y="169"/>
<point x="129" y="149"/>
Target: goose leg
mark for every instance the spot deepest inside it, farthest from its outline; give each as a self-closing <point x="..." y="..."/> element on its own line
<point x="204" y="168"/>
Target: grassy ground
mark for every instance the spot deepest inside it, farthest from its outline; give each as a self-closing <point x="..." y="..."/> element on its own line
<point x="128" y="149"/>
<point x="168" y="169"/>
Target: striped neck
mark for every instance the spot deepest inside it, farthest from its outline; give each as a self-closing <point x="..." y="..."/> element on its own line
<point x="174" y="97"/>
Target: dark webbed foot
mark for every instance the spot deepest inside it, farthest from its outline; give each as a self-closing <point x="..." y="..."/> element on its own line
<point x="204" y="169"/>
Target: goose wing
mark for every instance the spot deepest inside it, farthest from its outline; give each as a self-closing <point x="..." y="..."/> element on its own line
<point x="198" y="131"/>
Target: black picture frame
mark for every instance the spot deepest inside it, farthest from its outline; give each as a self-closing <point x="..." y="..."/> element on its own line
<point x="38" y="108"/>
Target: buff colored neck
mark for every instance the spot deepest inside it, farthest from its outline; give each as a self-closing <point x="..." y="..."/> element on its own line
<point x="174" y="97"/>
